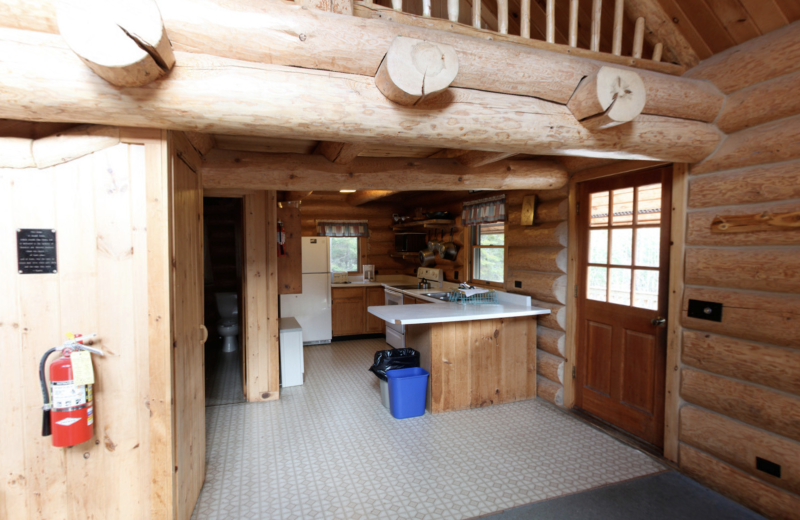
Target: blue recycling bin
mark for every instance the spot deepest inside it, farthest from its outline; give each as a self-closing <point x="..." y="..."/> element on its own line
<point x="408" y="388"/>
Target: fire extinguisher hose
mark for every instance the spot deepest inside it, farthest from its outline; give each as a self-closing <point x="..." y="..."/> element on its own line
<point x="45" y="395"/>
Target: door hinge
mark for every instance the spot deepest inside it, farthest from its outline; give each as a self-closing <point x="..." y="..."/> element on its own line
<point x="573" y="371"/>
<point x="577" y="208"/>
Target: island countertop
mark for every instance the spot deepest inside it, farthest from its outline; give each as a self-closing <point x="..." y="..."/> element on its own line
<point x="450" y="312"/>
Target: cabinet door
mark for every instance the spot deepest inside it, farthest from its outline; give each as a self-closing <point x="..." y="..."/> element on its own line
<point x="408" y="300"/>
<point x="347" y="311"/>
<point x="422" y="301"/>
<point x="375" y="297"/>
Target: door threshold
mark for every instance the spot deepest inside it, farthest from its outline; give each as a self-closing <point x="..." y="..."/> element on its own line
<point x="622" y="436"/>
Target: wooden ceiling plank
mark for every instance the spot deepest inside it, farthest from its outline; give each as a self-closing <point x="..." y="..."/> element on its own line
<point x="249" y="143"/>
<point x="765" y="14"/>
<point x="735" y="19"/>
<point x="712" y="30"/>
<point x="790" y="9"/>
<point x="668" y="24"/>
<point x="360" y="198"/>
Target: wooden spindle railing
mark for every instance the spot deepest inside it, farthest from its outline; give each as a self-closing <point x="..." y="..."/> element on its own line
<point x="573" y="6"/>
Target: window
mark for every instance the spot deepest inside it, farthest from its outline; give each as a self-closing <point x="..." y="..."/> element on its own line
<point x="488" y="253"/>
<point x="624" y="246"/>
<point x="344" y="255"/>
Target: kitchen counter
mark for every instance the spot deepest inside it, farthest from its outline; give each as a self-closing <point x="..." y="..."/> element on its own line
<point x="358" y="284"/>
<point x="443" y="312"/>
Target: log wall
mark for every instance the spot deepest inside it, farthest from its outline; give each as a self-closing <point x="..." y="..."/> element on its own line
<point x="107" y="209"/>
<point x="375" y="249"/>
<point x="739" y="378"/>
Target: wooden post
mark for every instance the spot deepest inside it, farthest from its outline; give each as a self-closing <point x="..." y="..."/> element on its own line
<point x="574" y="7"/>
<point x="619" y="13"/>
<point x="597" y="12"/>
<point x="124" y="43"/>
<point x="476" y="13"/>
<point x="551" y="21"/>
<point x="657" y="50"/>
<point x="502" y="16"/>
<point x="414" y="69"/>
<point x="452" y="10"/>
<point x="525" y="22"/>
<point x="638" y="38"/>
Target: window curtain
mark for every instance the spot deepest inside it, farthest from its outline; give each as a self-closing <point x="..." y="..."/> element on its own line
<point x="342" y="228"/>
<point x="484" y="211"/>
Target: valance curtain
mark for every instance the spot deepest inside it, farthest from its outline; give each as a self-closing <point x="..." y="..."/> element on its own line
<point x="484" y="211"/>
<point x="342" y="228"/>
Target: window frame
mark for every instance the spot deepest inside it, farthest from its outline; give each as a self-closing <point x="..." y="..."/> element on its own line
<point x="474" y="233"/>
<point x="358" y="255"/>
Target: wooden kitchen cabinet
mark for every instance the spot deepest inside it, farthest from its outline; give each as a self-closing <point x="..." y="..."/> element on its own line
<point x="374" y="297"/>
<point x="422" y="301"/>
<point x="347" y="311"/>
<point x="408" y="300"/>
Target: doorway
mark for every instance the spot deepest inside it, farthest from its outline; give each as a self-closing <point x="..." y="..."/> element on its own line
<point x="623" y="280"/>
<point x="222" y="272"/>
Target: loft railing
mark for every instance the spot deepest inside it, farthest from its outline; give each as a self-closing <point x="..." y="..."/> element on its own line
<point x="451" y="9"/>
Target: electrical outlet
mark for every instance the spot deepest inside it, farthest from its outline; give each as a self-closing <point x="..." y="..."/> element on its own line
<point x="518" y="284"/>
<point x="768" y="467"/>
<point x="701" y="310"/>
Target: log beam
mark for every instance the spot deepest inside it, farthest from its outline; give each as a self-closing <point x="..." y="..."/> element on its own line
<point x="203" y="143"/>
<point x="363" y="197"/>
<point x="124" y="42"/>
<point x="217" y="95"/>
<point x="57" y="148"/>
<point x="297" y="195"/>
<point x="252" y="170"/>
<point x="279" y="33"/>
<point x="414" y="69"/>
<point x="608" y="98"/>
<point x="339" y="153"/>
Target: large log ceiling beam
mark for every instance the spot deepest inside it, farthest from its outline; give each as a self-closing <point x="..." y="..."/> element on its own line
<point x="414" y="69"/>
<point x="253" y="170"/>
<point x="360" y="198"/>
<point x="608" y="98"/>
<point x="472" y="158"/>
<point x="339" y="153"/>
<point x="279" y="33"/>
<point x="203" y="143"/>
<point x="123" y="41"/>
<point x="217" y="95"/>
<point x="663" y="28"/>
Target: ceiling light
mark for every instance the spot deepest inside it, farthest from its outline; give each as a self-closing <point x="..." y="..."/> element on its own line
<point x="347" y="191"/>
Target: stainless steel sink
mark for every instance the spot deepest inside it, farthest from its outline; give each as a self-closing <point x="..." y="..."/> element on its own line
<point x="445" y="297"/>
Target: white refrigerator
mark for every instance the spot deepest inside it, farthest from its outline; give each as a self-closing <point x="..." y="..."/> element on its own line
<point x="312" y="308"/>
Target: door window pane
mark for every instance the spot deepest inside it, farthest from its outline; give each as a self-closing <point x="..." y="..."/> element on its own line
<point x="648" y="246"/>
<point x="599" y="209"/>
<point x="598" y="246"/>
<point x="649" y="204"/>
<point x="622" y="207"/>
<point x="620" y="290"/>
<point x="621" y="246"/>
<point x="597" y="283"/>
<point x="645" y="289"/>
<point x="344" y="254"/>
<point x="489" y="264"/>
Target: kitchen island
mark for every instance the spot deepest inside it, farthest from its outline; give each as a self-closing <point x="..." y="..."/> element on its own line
<point x="477" y="355"/>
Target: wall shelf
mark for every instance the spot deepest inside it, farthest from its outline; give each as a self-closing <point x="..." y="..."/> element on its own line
<point x="431" y="223"/>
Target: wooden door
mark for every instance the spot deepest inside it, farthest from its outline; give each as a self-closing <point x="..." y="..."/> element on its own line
<point x="624" y="230"/>
<point x="188" y="350"/>
<point x="375" y="297"/>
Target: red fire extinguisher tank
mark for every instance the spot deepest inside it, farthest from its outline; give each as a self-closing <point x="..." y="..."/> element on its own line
<point x="72" y="415"/>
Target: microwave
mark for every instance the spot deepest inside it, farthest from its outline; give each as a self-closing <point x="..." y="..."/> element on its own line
<point x="409" y="242"/>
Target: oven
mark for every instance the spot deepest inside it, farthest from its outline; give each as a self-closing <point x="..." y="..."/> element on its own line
<point x="395" y="334"/>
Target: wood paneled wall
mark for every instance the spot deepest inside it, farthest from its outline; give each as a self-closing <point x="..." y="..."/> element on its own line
<point x="103" y="207"/>
<point x="739" y="378"/>
<point x="375" y="249"/>
<point x="536" y="259"/>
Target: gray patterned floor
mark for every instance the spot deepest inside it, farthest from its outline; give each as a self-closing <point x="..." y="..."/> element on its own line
<point x="329" y="450"/>
<point x="223" y="378"/>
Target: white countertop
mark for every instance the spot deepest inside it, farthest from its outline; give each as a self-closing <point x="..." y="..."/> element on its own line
<point x="358" y="284"/>
<point x="442" y="312"/>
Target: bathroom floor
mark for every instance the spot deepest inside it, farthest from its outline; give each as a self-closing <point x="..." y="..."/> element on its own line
<point x="223" y="375"/>
<point x="330" y="450"/>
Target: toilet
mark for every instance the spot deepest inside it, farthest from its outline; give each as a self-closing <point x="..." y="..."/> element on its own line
<point x="228" y="326"/>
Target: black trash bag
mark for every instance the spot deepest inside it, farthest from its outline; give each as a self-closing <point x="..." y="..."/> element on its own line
<point x="395" y="358"/>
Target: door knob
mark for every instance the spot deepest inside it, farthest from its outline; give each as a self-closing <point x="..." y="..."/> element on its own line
<point x="659" y="321"/>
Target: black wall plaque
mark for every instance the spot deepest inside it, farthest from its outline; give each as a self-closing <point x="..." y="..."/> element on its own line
<point x="710" y="311"/>
<point x="36" y="251"/>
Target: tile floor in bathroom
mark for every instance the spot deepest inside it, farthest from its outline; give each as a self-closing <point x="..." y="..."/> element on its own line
<point x="330" y="450"/>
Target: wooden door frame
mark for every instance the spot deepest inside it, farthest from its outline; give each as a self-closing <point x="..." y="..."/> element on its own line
<point x="672" y="399"/>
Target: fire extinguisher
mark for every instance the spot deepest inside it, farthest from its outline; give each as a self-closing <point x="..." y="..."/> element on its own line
<point x="68" y="411"/>
<point x="281" y="239"/>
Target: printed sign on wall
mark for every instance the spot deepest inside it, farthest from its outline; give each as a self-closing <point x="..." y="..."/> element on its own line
<point x="36" y="251"/>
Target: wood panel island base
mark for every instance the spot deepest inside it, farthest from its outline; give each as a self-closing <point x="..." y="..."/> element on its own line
<point x="476" y="363"/>
<point x="477" y="355"/>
